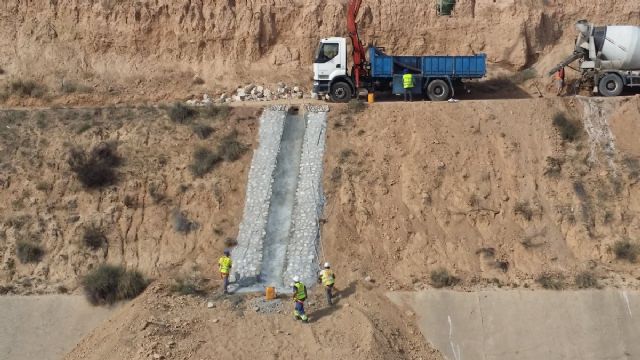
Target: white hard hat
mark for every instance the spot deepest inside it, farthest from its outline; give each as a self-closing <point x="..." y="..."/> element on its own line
<point x="296" y="279"/>
<point x="327" y="265"/>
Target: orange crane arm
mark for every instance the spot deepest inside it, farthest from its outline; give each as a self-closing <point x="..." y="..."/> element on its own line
<point x="359" y="51"/>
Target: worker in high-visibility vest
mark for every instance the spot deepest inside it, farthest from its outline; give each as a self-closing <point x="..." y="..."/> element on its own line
<point x="224" y="265"/>
<point x="328" y="279"/>
<point x="299" y="296"/>
<point x="559" y="80"/>
<point x="408" y="85"/>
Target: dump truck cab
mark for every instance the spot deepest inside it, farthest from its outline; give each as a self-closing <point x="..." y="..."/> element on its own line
<point x="330" y="65"/>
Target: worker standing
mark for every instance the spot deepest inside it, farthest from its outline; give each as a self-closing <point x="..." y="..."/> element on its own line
<point x="407" y="84"/>
<point x="559" y="78"/>
<point x="328" y="279"/>
<point x="224" y="264"/>
<point x="299" y="297"/>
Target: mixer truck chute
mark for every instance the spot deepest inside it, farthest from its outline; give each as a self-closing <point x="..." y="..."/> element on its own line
<point x="608" y="55"/>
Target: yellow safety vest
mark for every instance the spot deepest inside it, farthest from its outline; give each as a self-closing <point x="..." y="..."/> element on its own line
<point x="407" y="81"/>
<point x="225" y="264"/>
<point x="327" y="276"/>
<point x="301" y="291"/>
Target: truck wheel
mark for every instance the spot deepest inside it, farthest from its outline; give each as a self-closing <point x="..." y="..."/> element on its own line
<point x="340" y="92"/>
<point x="610" y="85"/>
<point x="438" y="90"/>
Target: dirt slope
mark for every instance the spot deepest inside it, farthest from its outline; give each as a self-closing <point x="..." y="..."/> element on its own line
<point x="151" y="50"/>
<point x="42" y="202"/>
<point x="487" y="189"/>
<point x="363" y="325"/>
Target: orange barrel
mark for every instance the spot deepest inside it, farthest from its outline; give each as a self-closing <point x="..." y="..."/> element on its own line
<point x="371" y="98"/>
<point x="270" y="293"/>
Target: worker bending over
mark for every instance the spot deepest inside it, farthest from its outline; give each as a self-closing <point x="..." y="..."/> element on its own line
<point x="224" y="265"/>
<point x="299" y="297"/>
<point x="408" y="85"/>
<point x="328" y="279"/>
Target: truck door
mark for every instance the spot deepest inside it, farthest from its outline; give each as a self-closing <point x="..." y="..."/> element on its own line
<point x="327" y="60"/>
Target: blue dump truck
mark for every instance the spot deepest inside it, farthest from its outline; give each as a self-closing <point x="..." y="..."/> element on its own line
<point x="435" y="76"/>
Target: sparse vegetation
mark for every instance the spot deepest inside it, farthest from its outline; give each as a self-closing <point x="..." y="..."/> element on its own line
<point x="355" y="106"/>
<point x="180" y="113"/>
<point x="84" y="127"/>
<point x="188" y="286"/>
<point x="215" y="112"/>
<point x="202" y="131"/>
<point x="156" y="192"/>
<point x="94" y="238"/>
<point x="442" y="278"/>
<point x="230" y="242"/>
<point x="69" y="87"/>
<point x="230" y="149"/>
<point x="523" y="208"/>
<point x="553" y="167"/>
<point x="204" y="160"/>
<point x="181" y="222"/>
<point x="524" y="75"/>
<point x="345" y="155"/>
<point x="130" y="201"/>
<point x="27" y="88"/>
<point x="95" y="168"/>
<point x="551" y="281"/>
<point x="586" y="280"/>
<point x="107" y="284"/>
<point x="43" y="186"/>
<point x="626" y="250"/>
<point x="569" y="130"/>
<point x="28" y="252"/>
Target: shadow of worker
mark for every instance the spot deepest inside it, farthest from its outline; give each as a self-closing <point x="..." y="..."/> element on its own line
<point x="338" y="296"/>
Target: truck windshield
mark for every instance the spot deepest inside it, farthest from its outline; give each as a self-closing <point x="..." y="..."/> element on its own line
<point x="326" y="52"/>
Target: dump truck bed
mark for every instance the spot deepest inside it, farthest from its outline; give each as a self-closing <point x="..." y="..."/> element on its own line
<point x="453" y="67"/>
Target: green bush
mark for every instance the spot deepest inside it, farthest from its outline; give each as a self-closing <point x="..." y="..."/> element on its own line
<point x="107" y="284"/>
<point x="442" y="278"/>
<point x="28" y="252"/>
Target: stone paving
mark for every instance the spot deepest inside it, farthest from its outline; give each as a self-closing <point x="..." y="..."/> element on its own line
<point x="254" y="257"/>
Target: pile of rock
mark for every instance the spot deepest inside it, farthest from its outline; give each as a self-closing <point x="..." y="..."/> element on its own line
<point x="254" y="92"/>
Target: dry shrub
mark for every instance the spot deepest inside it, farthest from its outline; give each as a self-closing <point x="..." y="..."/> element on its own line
<point x="181" y="222"/>
<point x="230" y="149"/>
<point x="94" y="238"/>
<point x="442" y="278"/>
<point x="204" y="160"/>
<point x="95" y="168"/>
<point x="27" y="88"/>
<point x="107" y="284"/>
<point x="551" y="281"/>
<point x="523" y="208"/>
<point x="180" y="113"/>
<point x="202" y="131"/>
<point x="28" y="252"/>
<point x="586" y="279"/>
<point x="188" y="286"/>
<point x="215" y="112"/>
<point x="569" y="130"/>
<point x="626" y="250"/>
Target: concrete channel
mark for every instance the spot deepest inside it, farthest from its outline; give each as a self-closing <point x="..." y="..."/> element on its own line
<point x="528" y="325"/>
<point x="278" y="237"/>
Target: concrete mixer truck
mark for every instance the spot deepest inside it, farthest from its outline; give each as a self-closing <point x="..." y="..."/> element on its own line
<point x="608" y="55"/>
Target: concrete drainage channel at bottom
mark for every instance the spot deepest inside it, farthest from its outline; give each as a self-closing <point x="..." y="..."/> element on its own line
<point x="278" y="237"/>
